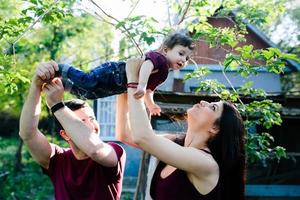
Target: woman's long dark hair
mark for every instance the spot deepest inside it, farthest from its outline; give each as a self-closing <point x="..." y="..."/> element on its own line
<point x="228" y="150"/>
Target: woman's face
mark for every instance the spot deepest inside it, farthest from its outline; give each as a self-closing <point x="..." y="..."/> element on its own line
<point x="204" y="114"/>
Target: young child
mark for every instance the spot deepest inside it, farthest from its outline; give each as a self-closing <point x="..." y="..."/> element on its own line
<point x="110" y="78"/>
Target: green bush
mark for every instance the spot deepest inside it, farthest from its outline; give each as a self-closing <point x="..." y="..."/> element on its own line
<point x="29" y="182"/>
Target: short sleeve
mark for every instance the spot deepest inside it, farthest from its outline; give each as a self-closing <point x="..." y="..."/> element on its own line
<point x="160" y="64"/>
<point x="156" y="58"/>
<point x="121" y="155"/>
<point x="58" y="152"/>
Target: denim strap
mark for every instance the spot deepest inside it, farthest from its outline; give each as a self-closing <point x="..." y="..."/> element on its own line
<point x="67" y="84"/>
<point x="63" y="68"/>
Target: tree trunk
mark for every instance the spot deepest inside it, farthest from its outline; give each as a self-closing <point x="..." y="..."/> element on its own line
<point x="18" y="156"/>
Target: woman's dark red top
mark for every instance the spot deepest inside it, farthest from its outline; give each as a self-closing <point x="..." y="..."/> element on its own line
<point x="177" y="186"/>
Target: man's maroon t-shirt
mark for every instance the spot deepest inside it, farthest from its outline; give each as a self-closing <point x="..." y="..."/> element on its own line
<point x="85" y="179"/>
<point x="161" y="69"/>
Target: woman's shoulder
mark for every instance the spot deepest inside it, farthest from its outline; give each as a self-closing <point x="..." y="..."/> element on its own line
<point x="204" y="163"/>
<point x="210" y="158"/>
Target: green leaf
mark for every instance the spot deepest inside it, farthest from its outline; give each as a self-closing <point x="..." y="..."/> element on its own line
<point x="227" y="61"/>
<point x="275" y="50"/>
<point x="35" y="2"/>
<point x="290" y="57"/>
<point x="120" y="24"/>
<point x="135" y="18"/>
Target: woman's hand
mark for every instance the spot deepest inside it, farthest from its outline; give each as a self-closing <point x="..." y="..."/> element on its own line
<point x="133" y="66"/>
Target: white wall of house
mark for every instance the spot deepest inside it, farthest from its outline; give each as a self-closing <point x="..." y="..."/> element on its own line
<point x="270" y="82"/>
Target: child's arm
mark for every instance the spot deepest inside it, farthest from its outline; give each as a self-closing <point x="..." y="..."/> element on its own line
<point x="153" y="108"/>
<point x="144" y="74"/>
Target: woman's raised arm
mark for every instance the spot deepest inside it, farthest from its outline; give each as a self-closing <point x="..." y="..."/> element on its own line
<point x="188" y="159"/>
<point x="123" y="132"/>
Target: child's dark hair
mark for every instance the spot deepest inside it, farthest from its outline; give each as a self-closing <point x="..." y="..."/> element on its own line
<point x="178" y="39"/>
<point x="74" y="104"/>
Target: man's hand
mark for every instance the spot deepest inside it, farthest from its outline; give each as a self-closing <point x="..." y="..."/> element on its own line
<point x="44" y="73"/>
<point x="154" y="109"/>
<point x="140" y="91"/>
<point x="54" y="92"/>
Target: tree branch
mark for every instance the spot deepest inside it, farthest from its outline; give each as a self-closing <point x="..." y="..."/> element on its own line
<point x="206" y="58"/>
<point x="185" y="12"/>
<point x="28" y="29"/>
<point x="135" y="5"/>
<point x="36" y="21"/>
<point x="126" y="31"/>
<point x="224" y="74"/>
<point x="169" y="16"/>
<point x="102" y="18"/>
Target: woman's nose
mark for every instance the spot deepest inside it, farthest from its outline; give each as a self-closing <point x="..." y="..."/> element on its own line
<point x="203" y="103"/>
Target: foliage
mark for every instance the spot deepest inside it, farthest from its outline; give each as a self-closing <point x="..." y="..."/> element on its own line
<point x="32" y="31"/>
<point x="28" y="37"/>
<point x="245" y="61"/>
<point x="258" y="147"/>
<point x="289" y="21"/>
<point x="59" y="37"/>
<point x="19" y="184"/>
<point x="242" y="59"/>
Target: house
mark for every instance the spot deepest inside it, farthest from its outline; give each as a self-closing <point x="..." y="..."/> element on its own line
<point x="278" y="180"/>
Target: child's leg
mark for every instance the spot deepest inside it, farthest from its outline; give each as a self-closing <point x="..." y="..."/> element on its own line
<point x="105" y="80"/>
<point x="78" y="77"/>
<point x="77" y="91"/>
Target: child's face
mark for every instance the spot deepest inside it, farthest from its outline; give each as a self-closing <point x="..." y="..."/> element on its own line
<point x="178" y="56"/>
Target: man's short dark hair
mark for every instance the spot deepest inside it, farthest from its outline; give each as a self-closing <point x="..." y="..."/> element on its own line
<point x="74" y="104"/>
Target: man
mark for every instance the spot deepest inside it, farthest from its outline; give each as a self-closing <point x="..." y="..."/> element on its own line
<point x="89" y="168"/>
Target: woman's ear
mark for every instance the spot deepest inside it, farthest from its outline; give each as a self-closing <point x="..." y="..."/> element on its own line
<point x="64" y="135"/>
<point x="214" y="130"/>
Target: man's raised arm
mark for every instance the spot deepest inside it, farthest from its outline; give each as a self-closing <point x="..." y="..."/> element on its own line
<point x="37" y="143"/>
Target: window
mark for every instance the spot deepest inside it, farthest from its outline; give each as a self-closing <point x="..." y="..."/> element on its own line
<point x="105" y="114"/>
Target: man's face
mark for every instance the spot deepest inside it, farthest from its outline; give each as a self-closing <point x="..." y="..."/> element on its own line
<point x="87" y="115"/>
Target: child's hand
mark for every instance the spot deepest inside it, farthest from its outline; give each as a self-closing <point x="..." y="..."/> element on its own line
<point x="154" y="110"/>
<point x="140" y="92"/>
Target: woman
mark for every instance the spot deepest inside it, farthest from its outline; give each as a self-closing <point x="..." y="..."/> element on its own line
<point x="211" y="162"/>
